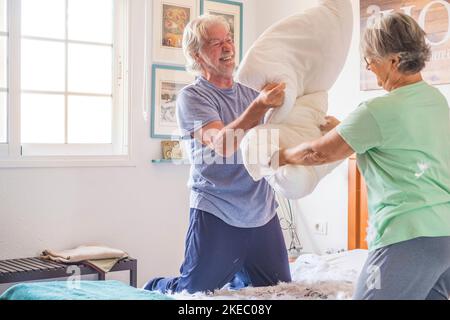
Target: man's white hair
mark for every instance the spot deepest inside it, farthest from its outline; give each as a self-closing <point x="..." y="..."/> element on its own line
<point x="194" y="36"/>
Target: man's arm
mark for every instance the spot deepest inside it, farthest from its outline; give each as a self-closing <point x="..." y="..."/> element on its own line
<point x="225" y="140"/>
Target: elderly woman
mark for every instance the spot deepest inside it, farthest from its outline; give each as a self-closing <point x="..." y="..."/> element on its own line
<point x="403" y="151"/>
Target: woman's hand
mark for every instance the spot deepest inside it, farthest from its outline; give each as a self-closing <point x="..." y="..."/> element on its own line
<point x="272" y="95"/>
<point x="331" y="123"/>
<point x="303" y="154"/>
<point x="327" y="149"/>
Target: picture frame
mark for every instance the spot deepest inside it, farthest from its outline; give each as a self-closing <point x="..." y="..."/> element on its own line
<point x="170" y="17"/>
<point x="172" y="150"/>
<point x="233" y="12"/>
<point x="167" y="81"/>
<point x="433" y="16"/>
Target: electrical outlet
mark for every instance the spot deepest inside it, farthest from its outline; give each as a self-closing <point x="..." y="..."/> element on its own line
<point x="321" y="227"/>
<point x="334" y="250"/>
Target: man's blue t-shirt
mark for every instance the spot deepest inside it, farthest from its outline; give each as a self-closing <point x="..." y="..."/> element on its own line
<point x="222" y="186"/>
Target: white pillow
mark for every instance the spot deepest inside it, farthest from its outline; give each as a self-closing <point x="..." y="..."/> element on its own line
<point x="302" y="124"/>
<point x="306" y="50"/>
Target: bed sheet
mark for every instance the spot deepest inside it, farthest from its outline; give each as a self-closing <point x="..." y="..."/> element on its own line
<point x="314" y="277"/>
<point x="80" y="290"/>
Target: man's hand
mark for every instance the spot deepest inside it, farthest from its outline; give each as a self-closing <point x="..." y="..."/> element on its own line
<point x="331" y="123"/>
<point x="225" y="140"/>
<point x="272" y="95"/>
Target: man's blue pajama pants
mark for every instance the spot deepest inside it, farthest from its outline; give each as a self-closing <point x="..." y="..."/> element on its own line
<point x="215" y="252"/>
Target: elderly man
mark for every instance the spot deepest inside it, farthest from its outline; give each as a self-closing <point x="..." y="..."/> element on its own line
<point x="233" y="223"/>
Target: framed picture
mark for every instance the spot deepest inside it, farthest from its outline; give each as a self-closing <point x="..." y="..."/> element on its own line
<point x="171" y="150"/>
<point x="167" y="81"/>
<point x="432" y="15"/>
<point x="233" y="13"/>
<point x="170" y="17"/>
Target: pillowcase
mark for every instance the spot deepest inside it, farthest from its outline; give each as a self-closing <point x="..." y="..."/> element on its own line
<point x="261" y="143"/>
<point x="302" y="124"/>
<point x="306" y="50"/>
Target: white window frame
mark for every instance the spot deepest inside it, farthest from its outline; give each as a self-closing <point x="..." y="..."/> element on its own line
<point x="4" y="148"/>
<point x="117" y="153"/>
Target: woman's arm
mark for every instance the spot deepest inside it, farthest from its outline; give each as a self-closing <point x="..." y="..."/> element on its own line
<point x="329" y="148"/>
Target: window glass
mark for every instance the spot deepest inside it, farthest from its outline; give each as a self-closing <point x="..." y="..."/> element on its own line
<point x="90" y="68"/>
<point x="44" y="18"/>
<point x="90" y="119"/>
<point x="43" y="65"/>
<point x="3" y="62"/>
<point x="3" y="12"/>
<point x="3" y="118"/>
<point x="42" y="118"/>
<point x="90" y="20"/>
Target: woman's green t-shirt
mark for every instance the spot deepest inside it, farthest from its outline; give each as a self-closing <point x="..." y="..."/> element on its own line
<point x="402" y="141"/>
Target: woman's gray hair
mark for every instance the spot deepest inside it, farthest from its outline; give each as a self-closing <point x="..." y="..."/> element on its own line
<point x="398" y="33"/>
<point x="193" y="38"/>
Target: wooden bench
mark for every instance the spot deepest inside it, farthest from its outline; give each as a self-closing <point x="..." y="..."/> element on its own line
<point x="29" y="269"/>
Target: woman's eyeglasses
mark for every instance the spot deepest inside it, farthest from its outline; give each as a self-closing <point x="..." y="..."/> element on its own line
<point x="368" y="63"/>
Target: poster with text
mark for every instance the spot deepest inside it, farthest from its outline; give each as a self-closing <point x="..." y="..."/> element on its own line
<point x="432" y="15"/>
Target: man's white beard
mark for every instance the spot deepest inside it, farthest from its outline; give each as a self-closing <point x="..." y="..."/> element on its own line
<point x="217" y="70"/>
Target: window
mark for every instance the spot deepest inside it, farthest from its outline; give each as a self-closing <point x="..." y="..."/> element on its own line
<point x="68" y="79"/>
<point x="3" y="72"/>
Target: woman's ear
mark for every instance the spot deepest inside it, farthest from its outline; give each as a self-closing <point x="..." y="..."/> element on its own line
<point x="395" y="61"/>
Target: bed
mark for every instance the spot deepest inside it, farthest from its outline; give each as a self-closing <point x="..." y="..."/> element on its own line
<point x="315" y="277"/>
